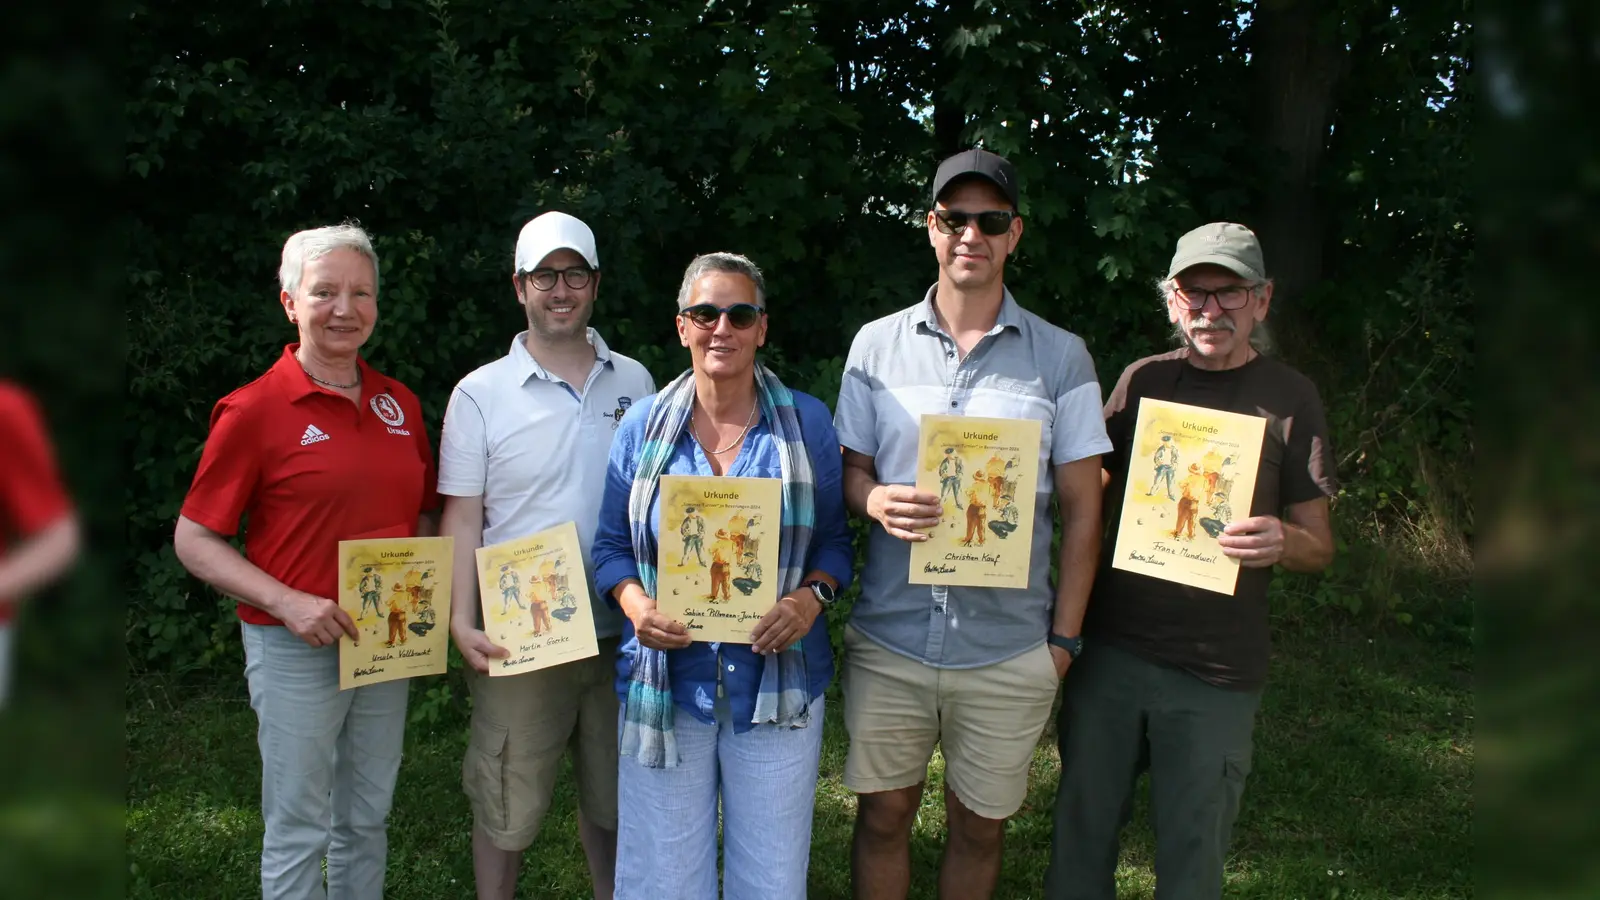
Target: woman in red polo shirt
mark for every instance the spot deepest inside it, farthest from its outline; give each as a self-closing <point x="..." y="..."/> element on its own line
<point x="321" y="448"/>
<point x="39" y="535"/>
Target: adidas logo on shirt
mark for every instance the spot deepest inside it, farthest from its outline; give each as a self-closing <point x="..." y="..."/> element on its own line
<point x="312" y="435"/>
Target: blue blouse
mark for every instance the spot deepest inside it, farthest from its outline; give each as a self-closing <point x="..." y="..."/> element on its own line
<point x="693" y="670"/>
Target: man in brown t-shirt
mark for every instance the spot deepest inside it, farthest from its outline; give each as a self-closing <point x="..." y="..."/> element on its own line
<point x="1171" y="675"/>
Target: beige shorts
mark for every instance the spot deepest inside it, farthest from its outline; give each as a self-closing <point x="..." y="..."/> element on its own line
<point x="521" y="726"/>
<point x="986" y="720"/>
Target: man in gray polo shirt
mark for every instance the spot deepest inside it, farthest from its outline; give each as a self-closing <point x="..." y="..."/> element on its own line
<point x="965" y="668"/>
<point x="524" y="448"/>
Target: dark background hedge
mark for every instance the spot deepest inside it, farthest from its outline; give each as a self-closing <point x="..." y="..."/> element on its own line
<point x="802" y="135"/>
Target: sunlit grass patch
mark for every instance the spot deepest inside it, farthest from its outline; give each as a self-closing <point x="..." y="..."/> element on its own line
<point x="1363" y="766"/>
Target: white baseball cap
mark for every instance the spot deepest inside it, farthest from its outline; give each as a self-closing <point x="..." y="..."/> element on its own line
<point x="551" y="232"/>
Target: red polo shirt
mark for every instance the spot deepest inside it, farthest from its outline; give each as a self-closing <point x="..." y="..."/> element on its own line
<point x="310" y="469"/>
<point x="31" y="495"/>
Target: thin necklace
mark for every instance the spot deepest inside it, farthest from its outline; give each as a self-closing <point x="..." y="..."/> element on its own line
<point x="748" y="422"/>
<point x="332" y="384"/>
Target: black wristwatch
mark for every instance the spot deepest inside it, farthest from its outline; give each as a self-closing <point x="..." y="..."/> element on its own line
<point x="1073" y="645"/>
<point x="823" y="591"/>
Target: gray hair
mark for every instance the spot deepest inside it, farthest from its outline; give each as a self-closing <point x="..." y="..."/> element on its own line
<point x="314" y="243"/>
<point x="731" y="263"/>
<point x="1260" y="335"/>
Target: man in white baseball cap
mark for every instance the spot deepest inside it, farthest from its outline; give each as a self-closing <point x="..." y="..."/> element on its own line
<point x="551" y="232"/>
<point x="524" y="448"/>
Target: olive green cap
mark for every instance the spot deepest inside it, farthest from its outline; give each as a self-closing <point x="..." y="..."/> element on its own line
<point x="1233" y="247"/>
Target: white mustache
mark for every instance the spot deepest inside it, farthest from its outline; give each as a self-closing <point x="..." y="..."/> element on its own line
<point x="1204" y="324"/>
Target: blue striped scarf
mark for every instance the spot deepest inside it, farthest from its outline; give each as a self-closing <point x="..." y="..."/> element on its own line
<point x="784" y="696"/>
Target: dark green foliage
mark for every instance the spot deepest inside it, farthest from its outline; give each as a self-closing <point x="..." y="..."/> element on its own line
<point x="800" y="134"/>
<point x="59" y="264"/>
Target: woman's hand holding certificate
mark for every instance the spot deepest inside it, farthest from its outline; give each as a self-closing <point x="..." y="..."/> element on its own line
<point x="789" y="620"/>
<point x="316" y="620"/>
<point x="660" y="632"/>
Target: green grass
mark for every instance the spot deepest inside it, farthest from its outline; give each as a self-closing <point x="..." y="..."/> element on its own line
<point x="1363" y="769"/>
<point x="61" y="792"/>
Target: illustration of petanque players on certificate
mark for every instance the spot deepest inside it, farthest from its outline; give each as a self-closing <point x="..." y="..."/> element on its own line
<point x="713" y="579"/>
<point x="396" y="590"/>
<point x="986" y="473"/>
<point x="1198" y="466"/>
<point x="535" y="600"/>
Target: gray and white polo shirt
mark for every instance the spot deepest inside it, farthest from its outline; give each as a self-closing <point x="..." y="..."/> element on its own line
<point x="536" y="450"/>
<point x="904" y="366"/>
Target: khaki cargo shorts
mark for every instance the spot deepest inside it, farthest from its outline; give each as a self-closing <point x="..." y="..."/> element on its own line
<point x="521" y="727"/>
<point x="986" y="721"/>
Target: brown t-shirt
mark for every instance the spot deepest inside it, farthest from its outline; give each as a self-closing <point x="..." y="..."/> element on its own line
<point x="1222" y="640"/>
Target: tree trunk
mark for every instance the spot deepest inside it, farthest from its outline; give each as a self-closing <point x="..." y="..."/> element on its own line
<point x="1300" y="59"/>
<point x="948" y="121"/>
<point x="949" y="118"/>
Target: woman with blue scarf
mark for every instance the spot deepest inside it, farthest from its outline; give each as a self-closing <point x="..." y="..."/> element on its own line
<point x="703" y="722"/>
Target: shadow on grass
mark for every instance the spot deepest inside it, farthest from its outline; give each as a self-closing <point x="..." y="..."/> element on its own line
<point x="1363" y="765"/>
<point x="1363" y="769"/>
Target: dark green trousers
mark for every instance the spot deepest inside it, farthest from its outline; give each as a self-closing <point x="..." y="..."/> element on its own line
<point x="1122" y="715"/>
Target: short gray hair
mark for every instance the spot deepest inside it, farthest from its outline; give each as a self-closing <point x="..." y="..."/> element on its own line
<point x="732" y="263"/>
<point x="314" y="243"/>
<point x="1260" y="335"/>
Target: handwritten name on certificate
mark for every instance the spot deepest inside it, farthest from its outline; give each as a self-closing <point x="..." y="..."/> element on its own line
<point x="717" y="556"/>
<point x="535" y="595"/>
<point x="1191" y="471"/>
<point x="397" y="590"/>
<point x="986" y="473"/>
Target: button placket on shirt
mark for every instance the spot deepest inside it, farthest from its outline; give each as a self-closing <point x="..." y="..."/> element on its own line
<point x="952" y="369"/>
<point x="586" y="412"/>
<point x="959" y="372"/>
<point x="586" y="417"/>
<point x="958" y="376"/>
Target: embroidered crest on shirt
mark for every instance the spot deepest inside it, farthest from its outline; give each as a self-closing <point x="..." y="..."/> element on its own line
<point x="623" y="403"/>
<point x="389" y="413"/>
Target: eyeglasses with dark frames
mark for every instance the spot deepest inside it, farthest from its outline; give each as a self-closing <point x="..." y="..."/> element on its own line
<point x="576" y="277"/>
<point x="706" y="315"/>
<point x="1194" y="299"/>
<point x="993" y="222"/>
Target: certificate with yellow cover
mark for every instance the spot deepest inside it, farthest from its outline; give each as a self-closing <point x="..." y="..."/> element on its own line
<point x="1191" y="470"/>
<point x="397" y="590"/>
<point x="986" y="473"/>
<point x="535" y="596"/>
<point x="717" y="554"/>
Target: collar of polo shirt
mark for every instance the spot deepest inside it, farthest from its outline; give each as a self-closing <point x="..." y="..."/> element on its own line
<point x="528" y="367"/>
<point x="1010" y="313"/>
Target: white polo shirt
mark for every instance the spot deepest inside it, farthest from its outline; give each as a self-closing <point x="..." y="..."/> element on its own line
<point x="536" y="450"/>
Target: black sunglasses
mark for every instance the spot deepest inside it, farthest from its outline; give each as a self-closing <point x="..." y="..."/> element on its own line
<point x="991" y="222"/>
<point x="740" y="315"/>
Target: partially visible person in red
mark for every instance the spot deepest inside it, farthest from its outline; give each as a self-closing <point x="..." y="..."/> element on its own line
<point x="322" y="448"/>
<point x="38" y="526"/>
